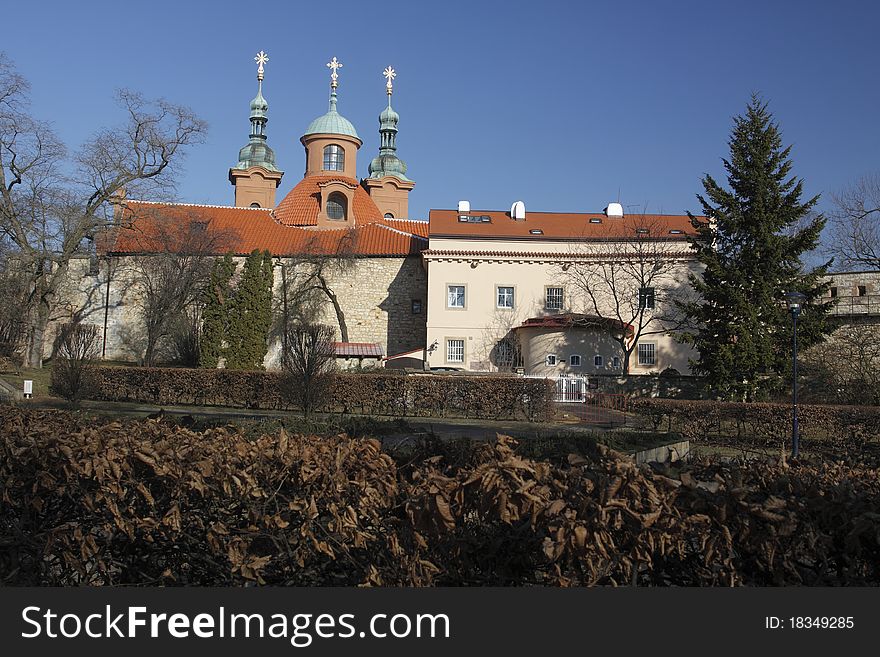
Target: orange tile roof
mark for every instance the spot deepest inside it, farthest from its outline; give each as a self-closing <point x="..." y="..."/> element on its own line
<point x="153" y="227"/>
<point x="576" y="320"/>
<point x="300" y="206"/>
<point x="558" y="226"/>
<point x="364" y="349"/>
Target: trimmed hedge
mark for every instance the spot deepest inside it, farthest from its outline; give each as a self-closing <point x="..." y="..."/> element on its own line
<point x="146" y="503"/>
<point x="489" y="397"/>
<point x="758" y="422"/>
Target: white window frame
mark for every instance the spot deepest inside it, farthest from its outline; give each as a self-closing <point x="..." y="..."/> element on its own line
<point x="645" y="363"/>
<point x="498" y="289"/>
<point x="449" y="342"/>
<point x="463" y="287"/>
<point x="598" y="361"/>
<point x="547" y="305"/>
<point x="572" y="358"/>
<point x="553" y="358"/>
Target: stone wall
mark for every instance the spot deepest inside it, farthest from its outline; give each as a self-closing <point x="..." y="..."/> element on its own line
<point x="376" y="295"/>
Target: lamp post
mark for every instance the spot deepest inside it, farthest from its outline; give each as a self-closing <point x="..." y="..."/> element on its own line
<point x="795" y="302"/>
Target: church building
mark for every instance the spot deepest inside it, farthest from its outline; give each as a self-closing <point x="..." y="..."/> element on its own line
<point x="350" y="238"/>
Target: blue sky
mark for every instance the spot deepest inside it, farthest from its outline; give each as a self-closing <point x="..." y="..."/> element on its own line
<point x="564" y="105"/>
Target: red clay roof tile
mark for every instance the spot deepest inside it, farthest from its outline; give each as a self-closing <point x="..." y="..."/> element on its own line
<point x="300" y="206"/>
<point x="146" y="227"/>
<point x="558" y="226"/>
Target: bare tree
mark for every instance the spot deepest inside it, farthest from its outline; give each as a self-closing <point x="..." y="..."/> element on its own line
<point x="847" y="364"/>
<point x="76" y="349"/>
<point x="855" y="225"/>
<point x="307" y="279"/>
<point x="309" y="362"/>
<point x="14" y="295"/>
<point x="631" y="283"/>
<point x="52" y="205"/>
<point x="171" y="275"/>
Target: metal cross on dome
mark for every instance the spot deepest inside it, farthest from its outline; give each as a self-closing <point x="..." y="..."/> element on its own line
<point x="389" y="74"/>
<point x="333" y="65"/>
<point x="261" y="59"/>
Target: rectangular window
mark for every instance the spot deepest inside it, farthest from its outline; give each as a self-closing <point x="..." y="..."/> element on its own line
<point x="455" y="296"/>
<point x="554" y="298"/>
<point x="551" y="360"/>
<point x="863" y="291"/>
<point x="833" y="292"/>
<point x="646" y="353"/>
<point x="455" y="351"/>
<point x="615" y="362"/>
<point x="597" y="360"/>
<point x="416" y="306"/>
<point x="504" y="297"/>
<point x="646" y="297"/>
<point x="574" y="360"/>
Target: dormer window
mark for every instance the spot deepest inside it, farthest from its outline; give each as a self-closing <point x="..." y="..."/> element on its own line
<point x="334" y="158"/>
<point x="336" y="206"/>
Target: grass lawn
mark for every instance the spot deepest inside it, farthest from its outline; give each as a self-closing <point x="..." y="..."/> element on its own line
<point x="40" y="377"/>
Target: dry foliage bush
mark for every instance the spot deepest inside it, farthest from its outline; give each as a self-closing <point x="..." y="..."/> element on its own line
<point x="147" y="503"/>
<point x="491" y="397"/>
<point x="851" y="433"/>
<point x="77" y="347"/>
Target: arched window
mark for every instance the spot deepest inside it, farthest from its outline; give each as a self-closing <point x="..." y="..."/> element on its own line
<point x="336" y="204"/>
<point x="388" y="215"/>
<point x="255" y="204"/>
<point x="334" y="158"/>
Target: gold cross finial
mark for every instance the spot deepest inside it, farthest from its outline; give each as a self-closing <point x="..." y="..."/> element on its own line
<point x="261" y="59"/>
<point x="333" y="65"/>
<point x="389" y="74"/>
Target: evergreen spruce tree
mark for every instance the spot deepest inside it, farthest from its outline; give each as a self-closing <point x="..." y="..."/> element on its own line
<point x="251" y="314"/>
<point x="751" y="249"/>
<point x="217" y="300"/>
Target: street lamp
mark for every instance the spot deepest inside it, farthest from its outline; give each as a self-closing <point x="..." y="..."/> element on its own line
<point x="795" y="301"/>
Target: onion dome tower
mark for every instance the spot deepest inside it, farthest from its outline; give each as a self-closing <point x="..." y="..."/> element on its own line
<point x="387" y="182"/>
<point x="256" y="177"/>
<point x="329" y="196"/>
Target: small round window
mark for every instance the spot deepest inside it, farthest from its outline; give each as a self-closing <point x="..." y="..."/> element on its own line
<point x="336" y="207"/>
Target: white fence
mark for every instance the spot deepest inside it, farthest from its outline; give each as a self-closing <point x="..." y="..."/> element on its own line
<point x="568" y="388"/>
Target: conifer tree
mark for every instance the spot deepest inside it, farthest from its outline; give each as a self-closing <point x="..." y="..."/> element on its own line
<point x="751" y="248"/>
<point x="251" y="314"/>
<point x="215" y="315"/>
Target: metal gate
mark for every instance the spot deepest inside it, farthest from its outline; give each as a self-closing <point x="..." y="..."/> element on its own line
<point x="568" y="388"/>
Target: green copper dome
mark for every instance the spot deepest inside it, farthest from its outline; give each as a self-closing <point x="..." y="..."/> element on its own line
<point x="332" y="122"/>
<point x="256" y="153"/>
<point x="386" y="163"/>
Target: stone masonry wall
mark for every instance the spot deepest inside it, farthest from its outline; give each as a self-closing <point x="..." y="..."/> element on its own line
<point x="376" y="295"/>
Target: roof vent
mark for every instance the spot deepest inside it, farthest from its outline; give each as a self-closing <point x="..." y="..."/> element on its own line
<point x="614" y="210"/>
<point x="518" y="211"/>
<point x="595" y="220"/>
<point x="536" y="231"/>
<point x="464" y="207"/>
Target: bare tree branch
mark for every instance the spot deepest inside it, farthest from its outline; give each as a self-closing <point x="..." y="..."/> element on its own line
<point x="51" y="208"/>
<point x="636" y="287"/>
<point x="855" y="225"/>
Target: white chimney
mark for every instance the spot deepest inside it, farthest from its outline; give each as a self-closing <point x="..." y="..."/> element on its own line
<point x="614" y="210"/>
<point x="518" y="211"/>
<point x="464" y="207"/>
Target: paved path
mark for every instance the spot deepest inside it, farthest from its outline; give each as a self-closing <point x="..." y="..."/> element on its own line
<point x="446" y="428"/>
